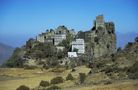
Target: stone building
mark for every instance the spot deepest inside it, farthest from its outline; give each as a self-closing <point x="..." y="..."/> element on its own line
<point x="40" y="38"/>
<point x="55" y="36"/>
<point x="79" y="45"/>
<point x="61" y="30"/>
<point x="59" y="38"/>
<point x="49" y="41"/>
<point x="46" y="37"/>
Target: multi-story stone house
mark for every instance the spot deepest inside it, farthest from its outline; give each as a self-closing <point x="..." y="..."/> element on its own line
<point x="79" y="45"/>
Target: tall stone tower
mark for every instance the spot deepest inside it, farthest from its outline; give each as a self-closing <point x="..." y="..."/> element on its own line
<point x="99" y="22"/>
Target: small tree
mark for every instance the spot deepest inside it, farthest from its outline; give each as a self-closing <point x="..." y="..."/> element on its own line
<point x="23" y="87"/>
<point x="57" y="80"/>
<point x="44" y="83"/>
<point x="69" y="77"/>
<point x="82" y="77"/>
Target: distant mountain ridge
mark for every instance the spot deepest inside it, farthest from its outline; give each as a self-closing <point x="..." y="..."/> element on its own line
<point x="5" y="52"/>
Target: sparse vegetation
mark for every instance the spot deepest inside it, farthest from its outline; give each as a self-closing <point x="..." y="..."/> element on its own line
<point x="133" y="71"/>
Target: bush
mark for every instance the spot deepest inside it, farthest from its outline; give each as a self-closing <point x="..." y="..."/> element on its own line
<point x="69" y="77"/>
<point x="44" y="83"/>
<point x="119" y="49"/>
<point x="57" y="80"/>
<point x="53" y="88"/>
<point x="73" y="70"/>
<point x="82" y="77"/>
<point x="23" y="87"/>
<point x="133" y="71"/>
<point x="136" y="39"/>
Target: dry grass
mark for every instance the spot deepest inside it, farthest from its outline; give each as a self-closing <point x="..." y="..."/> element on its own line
<point x="32" y="79"/>
<point x="127" y="85"/>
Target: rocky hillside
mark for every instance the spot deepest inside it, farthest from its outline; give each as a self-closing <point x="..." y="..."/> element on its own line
<point x="5" y="52"/>
<point x="51" y="47"/>
<point x="119" y="66"/>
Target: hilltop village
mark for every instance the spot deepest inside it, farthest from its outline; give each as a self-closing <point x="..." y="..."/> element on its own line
<point x="101" y="38"/>
<point x="63" y="46"/>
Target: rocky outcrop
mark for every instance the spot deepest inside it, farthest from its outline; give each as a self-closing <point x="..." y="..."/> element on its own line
<point x="101" y="39"/>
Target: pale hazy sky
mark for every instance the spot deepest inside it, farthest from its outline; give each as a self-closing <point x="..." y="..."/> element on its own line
<point x="22" y="19"/>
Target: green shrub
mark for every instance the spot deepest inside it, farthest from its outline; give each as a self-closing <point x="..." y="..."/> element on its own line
<point x="53" y="88"/>
<point x="23" y="87"/>
<point x="69" y="77"/>
<point x="44" y="83"/>
<point x="57" y="80"/>
<point x="82" y="77"/>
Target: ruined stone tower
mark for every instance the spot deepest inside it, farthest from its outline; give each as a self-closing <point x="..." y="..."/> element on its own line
<point x="99" y="22"/>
